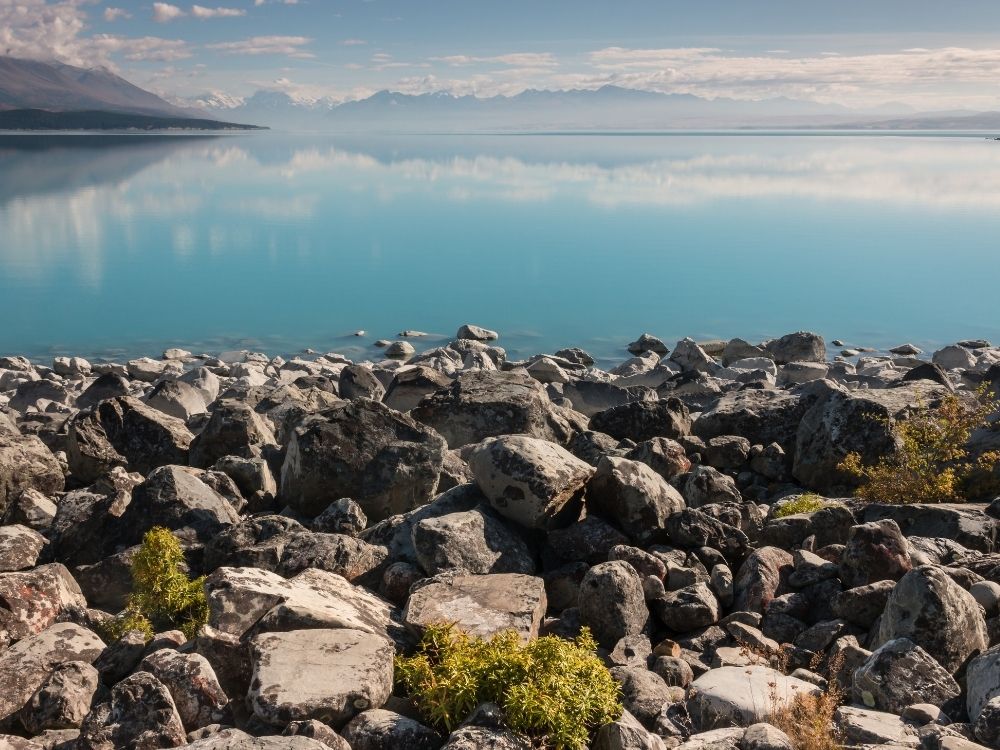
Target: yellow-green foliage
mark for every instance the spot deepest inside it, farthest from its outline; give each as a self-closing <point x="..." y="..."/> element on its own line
<point x="807" y="503"/>
<point x="556" y="691"/>
<point x="163" y="597"/>
<point x="932" y="465"/>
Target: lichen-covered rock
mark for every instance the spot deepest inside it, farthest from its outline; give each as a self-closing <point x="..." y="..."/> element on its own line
<point x="627" y="734"/>
<point x="929" y="608"/>
<point x="329" y="675"/>
<point x="475" y="542"/>
<point x="900" y="673"/>
<point x="634" y="497"/>
<point x="411" y="384"/>
<point x="801" y="346"/>
<point x="379" y="729"/>
<point x="63" y="700"/>
<point x="19" y="547"/>
<point x="664" y="456"/>
<point x="234" y="429"/>
<point x="480" y="605"/>
<point x="644" y="420"/>
<point x="692" y="528"/>
<point x="688" y="608"/>
<point x="528" y="480"/>
<point x="612" y="603"/>
<point x="982" y="680"/>
<point x="706" y="485"/>
<point x="386" y="461"/>
<point x="862" y="605"/>
<point x="740" y="696"/>
<point x="141" y="714"/>
<point x="26" y="464"/>
<point x="644" y="693"/>
<point x="31" y="601"/>
<point x="192" y="683"/>
<point x="874" y="552"/>
<point x="25" y="666"/>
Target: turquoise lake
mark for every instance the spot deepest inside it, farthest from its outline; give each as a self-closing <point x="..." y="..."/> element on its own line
<point x="114" y="246"/>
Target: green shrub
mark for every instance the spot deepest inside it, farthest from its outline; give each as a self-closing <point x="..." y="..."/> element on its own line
<point x="807" y="503"/>
<point x="163" y="597"/>
<point x="932" y="464"/>
<point x="556" y="691"/>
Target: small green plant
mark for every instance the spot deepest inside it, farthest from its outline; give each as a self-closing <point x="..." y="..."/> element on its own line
<point x="932" y="464"/>
<point x="555" y="691"/>
<point x="810" y="502"/>
<point x="163" y="597"/>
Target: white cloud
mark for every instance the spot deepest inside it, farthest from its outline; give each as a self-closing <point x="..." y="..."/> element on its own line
<point x="165" y="12"/>
<point x="199" y="11"/>
<point x="113" y="14"/>
<point x="290" y="46"/>
<point x="519" y="59"/>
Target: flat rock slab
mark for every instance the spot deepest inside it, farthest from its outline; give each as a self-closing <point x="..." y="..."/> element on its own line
<point x="481" y="606"/>
<point x="740" y="696"/>
<point x="328" y="675"/>
<point x="239" y="597"/>
<point x="27" y="664"/>
<point x="862" y="726"/>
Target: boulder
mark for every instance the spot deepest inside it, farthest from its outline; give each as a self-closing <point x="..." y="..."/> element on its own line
<point x="762" y="577"/>
<point x="192" y="683"/>
<point x="234" y="429"/>
<point x="411" y="384"/>
<point x="33" y="600"/>
<point x="688" y="608"/>
<point x="26" y="464"/>
<point x="644" y="420"/>
<point x="612" y="603"/>
<point x="19" y="547"/>
<point x="954" y="357"/>
<point x="591" y="396"/>
<point x="626" y="733"/>
<point x="141" y="714"/>
<point x="761" y="416"/>
<point x="802" y="346"/>
<point x="740" y="696"/>
<point x="177" y="399"/>
<point x="386" y="461"/>
<point x="63" y="700"/>
<point x="343" y="516"/>
<point x="30" y="508"/>
<point x="982" y="680"/>
<point x="874" y="551"/>
<point x="475" y="542"/>
<point x="108" y="385"/>
<point x="635" y="497"/>
<point x="25" y="666"/>
<point x="379" y="729"/>
<point x="482" y="605"/>
<point x="664" y="456"/>
<point x="930" y="609"/>
<point x="328" y="675"/>
<point x="692" y="528"/>
<point x="900" y="673"/>
<point x="863" y="605"/>
<point x="864" y="727"/>
<point x="124" y="431"/>
<point x="971" y="527"/>
<point x="482" y="404"/>
<point x="528" y="480"/>
<point x="706" y="485"/>
<point x="644" y="693"/>
<point x="236" y="739"/>
<point x="486" y="738"/>
<point x="357" y="381"/>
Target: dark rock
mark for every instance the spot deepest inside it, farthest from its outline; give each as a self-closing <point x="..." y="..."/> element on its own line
<point x="611" y="602"/>
<point x="633" y="496"/>
<point x="874" y="552"/>
<point x="141" y="714"/>
<point x="900" y="673"/>
<point x="234" y="429"/>
<point x="644" y="420"/>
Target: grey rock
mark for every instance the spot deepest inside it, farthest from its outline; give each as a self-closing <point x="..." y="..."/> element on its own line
<point x="141" y="714"/>
<point x="739" y="696"/>
<point x="863" y="605"/>
<point x="982" y="679"/>
<point x="63" y="700"/>
<point x="644" y="694"/>
<point x="196" y="692"/>
<point x="30" y="508"/>
<point x="357" y="381"/>
<point x="874" y="552"/>
<point x="706" y="485"/>
<point x="688" y="609"/>
<point x="765" y="737"/>
<point x="612" y="603"/>
<point x="26" y="464"/>
<point x="234" y="429"/>
<point x="379" y="729"/>
<point x="411" y="384"/>
<point x="476" y="542"/>
<point x="19" y="547"/>
<point x="900" y="673"/>
<point x="626" y="733"/>
<point x="633" y="496"/>
<point x="177" y="399"/>
<point x="664" y="456"/>
<point x="32" y="600"/>
<point x="762" y="577"/>
<point x="343" y="516"/>
<point x="108" y="385"/>
<point x="644" y="420"/>
<point x="802" y="346"/>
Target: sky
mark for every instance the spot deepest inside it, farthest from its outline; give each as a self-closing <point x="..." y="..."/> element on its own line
<point x="928" y="54"/>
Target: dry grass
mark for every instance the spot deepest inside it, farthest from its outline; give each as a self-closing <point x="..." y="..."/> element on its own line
<point x="808" y="720"/>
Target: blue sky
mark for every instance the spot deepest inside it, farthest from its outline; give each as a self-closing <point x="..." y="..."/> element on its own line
<point x="931" y="55"/>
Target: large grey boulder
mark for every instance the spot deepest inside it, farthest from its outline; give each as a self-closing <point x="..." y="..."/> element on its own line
<point x="31" y="601"/>
<point x="644" y="420"/>
<point x="866" y="727"/>
<point x="357" y="381"/>
<point x="177" y="399"/>
<point x="528" y="480"/>
<point x="26" y="464"/>
<point x="740" y="696"/>
<point x="612" y="603"/>
<point x="874" y="551"/>
<point x="476" y="542"/>
<point x="900" y="673"/>
<point x="761" y="416"/>
<point x="688" y="608"/>
<point x="762" y="577"/>
<point x="982" y="680"/>
<point x="108" y="385"/>
<point x="63" y="700"/>
<point x="802" y="346"/>
<point x="970" y="526"/>
<point x="411" y="384"/>
<point x="930" y="609"/>
<point x="590" y="397"/>
<point x="633" y="496"/>
<point x="329" y="675"/>
<point x="25" y="666"/>
<point x="481" y="606"/>
<point x="19" y="547"/>
<point x="236" y="739"/>
<point x="124" y="431"/>
<point x="386" y="461"/>
<point x="192" y="683"/>
<point x="140" y="714"/>
<point x="379" y="729"/>
<point x="234" y="429"/>
<point x="482" y="404"/>
<point x="627" y="733"/>
<point x="644" y="693"/>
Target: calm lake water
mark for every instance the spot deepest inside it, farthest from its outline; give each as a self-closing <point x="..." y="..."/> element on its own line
<point x="122" y="245"/>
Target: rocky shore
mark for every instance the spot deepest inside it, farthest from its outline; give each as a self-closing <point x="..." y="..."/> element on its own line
<point x="337" y="509"/>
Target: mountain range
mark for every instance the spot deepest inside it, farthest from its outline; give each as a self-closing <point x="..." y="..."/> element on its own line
<point x="58" y="87"/>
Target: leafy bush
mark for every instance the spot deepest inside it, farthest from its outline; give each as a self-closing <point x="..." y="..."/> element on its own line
<point x="807" y="503"/>
<point x="933" y="463"/>
<point x="163" y="597"/>
<point x="553" y="690"/>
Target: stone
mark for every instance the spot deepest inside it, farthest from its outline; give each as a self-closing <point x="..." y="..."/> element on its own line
<point x="234" y="429"/>
<point x="589" y="540"/>
<point x="141" y="714"/>
<point x="644" y="420"/>
<point x="400" y="350"/>
<point x="706" y="485"/>
<point x="379" y="729"/>
<point x="527" y="480"/>
<point x="323" y="674"/>
<point x="318" y="731"/>
<point x="673" y="670"/>
<point x="19" y="547"/>
<point x="693" y="529"/>
<point x="475" y="542"/>
<point x="253" y="478"/>
<point x="862" y="726"/>
<point x="357" y="381"/>
<point x="63" y="700"/>
<point x="987" y="726"/>
<point x="482" y="404"/>
<point x="343" y="516"/>
<point x="31" y="508"/>
<point x="761" y="416"/>
<point x="108" y="385"/>
<point x="969" y="526"/>
<point x="626" y="733"/>
<point x="235" y="739"/>
<point x="688" y="609"/>
<point x="900" y="673"/>
<point x="177" y="399"/>
<point x="987" y="594"/>
<point x="33" y="600"/>
<point x="982" y="680"/>
<point x="480" y="605"/>
<point x="930" y="609"/>
<point x="124" y="431"/>
<point x="740" y="696"/>
<point x="612" y="603"/>
<point x="954" y="358"/>
<point x="476" y="333"/>
<point x="411" y="384"/>
<point x="27" y="464"/>
<point x="590" y="397"/>
<point x="863" y="605"/>
<point x="644" y="694"/>
<point x="874" y="552"/>
<point x="801" y="346"/>
<point x="691" y="357"/>
<point x="25" y="666"/>
<point x="386" y="461"/>
<point x="635" y="497"/>
<point x="196" y="692"/>
<point x="762" y="577"/>
<point x="765" y="737"/>
<point x="664" y="456"/>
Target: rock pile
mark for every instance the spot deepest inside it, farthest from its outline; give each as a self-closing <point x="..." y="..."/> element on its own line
<point x="339" y="508"/>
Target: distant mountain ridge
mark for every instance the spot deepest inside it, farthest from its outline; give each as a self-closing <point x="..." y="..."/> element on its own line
<point x="43" y="119"/>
